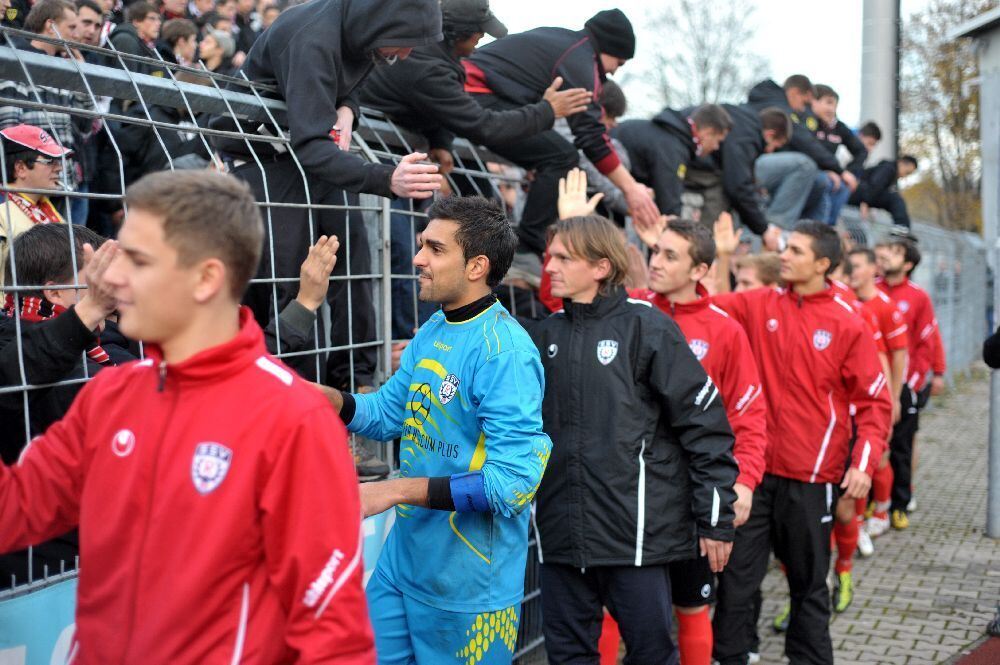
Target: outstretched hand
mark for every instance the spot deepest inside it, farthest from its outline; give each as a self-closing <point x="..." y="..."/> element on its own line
<point x="573" y="200"/>
<point x="414" y="178"/>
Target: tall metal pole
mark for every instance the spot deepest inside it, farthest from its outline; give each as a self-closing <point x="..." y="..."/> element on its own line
<point x="880" y="72"/>
<point x="988" y="50"/>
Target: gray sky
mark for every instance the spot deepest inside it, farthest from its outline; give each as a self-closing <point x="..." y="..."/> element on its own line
<point x="819" y="39"/>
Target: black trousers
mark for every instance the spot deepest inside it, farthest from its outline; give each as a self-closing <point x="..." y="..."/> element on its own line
<point x="901" y="447"/>
<point x="894" y="204"/>
<point x="352" y="313"/>
<point x="795" y="519"/>
<point x="551" y="156"/>
<point x="637" y="598"/>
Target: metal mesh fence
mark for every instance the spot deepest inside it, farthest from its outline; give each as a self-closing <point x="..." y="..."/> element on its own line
<point x="105" y="102"/>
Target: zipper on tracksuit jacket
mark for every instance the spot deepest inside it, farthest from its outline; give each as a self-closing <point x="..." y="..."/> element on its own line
<point x="160" y="389"/>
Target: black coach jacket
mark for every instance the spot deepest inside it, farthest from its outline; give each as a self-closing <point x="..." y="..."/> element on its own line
<point x="660" y="150"/>
<point x="642" y="461"/>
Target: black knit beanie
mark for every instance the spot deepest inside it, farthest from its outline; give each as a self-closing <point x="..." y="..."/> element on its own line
<point x="613" y="33"/>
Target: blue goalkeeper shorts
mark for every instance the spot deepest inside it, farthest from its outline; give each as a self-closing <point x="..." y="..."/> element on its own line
<point x="409" y="632"/>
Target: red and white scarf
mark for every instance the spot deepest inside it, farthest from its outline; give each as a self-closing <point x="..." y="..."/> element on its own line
<point x="39" y="212"/>
<point x="39" y="309"/>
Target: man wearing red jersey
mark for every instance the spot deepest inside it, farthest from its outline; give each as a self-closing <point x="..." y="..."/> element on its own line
<point x="200" y="538"/>
<point x="893" y="330"/>
<point x="897" y="258"/>
<point x="680" y="259"/>
<point x="816" y="358"/>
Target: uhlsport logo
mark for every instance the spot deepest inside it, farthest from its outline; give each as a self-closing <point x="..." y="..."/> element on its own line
<point x="448" y="389"/>
<point x="123" y="442"/>
<point x="553" y="350"/>
<point x="822" y="339"/>
<point x="772" y="324"/>
<point x="699" y="348"/>
<point x="209" y="466"/>
<point x="607" y="349"/>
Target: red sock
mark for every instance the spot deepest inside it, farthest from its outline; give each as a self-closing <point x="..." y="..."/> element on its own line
<point x="847" y="542"/>
<point x="694" y="637"/>
<point x="609" y="642"/>
<point x="859" y="507"/>
<point x="882" y="485"/>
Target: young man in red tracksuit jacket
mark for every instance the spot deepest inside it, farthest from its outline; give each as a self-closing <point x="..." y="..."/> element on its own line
<point x="897" y="258"/>
<point x="680" y="259"/>
<point x="206" y="536"/>
<point x="895" y="334"/>
<point x="816" y="358"/>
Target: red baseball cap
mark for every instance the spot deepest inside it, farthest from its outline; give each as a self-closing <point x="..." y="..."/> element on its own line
<point x="34" y="138"/>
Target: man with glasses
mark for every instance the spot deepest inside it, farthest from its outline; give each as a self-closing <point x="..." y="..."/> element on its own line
<point x="32" y="160"/>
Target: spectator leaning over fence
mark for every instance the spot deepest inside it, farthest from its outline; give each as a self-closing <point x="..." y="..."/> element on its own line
<point x="660" y="149"/>
<point x="789" y="174"/>
<point x="642" y="470"/>
<point x="753" y="133"/>
<point x="466" y="403"/>
<point x="878" y="188"/>
<point x="816" y="358"/>
<point x="51" y="18"/>
<point x="897" y="258"/>
<point x="193" y="513"/>
<point x="316" y="55"/>
<point x="517" y="70"/>
<point x="32" y="161"/>
<point x="426" y="92"/>
<point x="681" y="257"/>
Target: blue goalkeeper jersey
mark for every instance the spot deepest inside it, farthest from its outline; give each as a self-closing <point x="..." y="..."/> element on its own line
<point x="467" y="397"/>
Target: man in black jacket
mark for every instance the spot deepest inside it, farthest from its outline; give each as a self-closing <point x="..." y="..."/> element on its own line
<point x="137" y="36"/>
<point x="316" y="55"/>
<point x="662" y="148"/>
<point x="51" y="334"/>
<point x="791" y="172"/>
<point x="642" y="470"/>
<point x="426" y="92"/>
<point x="878" y="188"/>
<point x="516" y="70"/>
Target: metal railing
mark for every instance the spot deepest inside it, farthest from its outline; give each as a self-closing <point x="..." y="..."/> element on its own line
<point x="374" y="270"/>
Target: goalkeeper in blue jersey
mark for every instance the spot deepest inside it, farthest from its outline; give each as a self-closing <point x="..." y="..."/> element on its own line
<point x="466" y="405"/>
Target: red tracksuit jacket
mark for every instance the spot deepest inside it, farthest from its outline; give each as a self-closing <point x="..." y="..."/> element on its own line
<point x="218" y="510"/>
<point x="722" y="347"/>
<point x="918" y="311"/>
<point x="889" y="321"/>
<point x="816" y="357"/>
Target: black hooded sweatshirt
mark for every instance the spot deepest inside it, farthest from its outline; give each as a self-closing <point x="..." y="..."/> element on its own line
<point x="736" y="156"/>
<point x="317" y="54"/>
<point x="660" y="151"/>
<point x="518" y="68"/>
<point x="426" y="93"/>
<point x="768" y="93"/>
